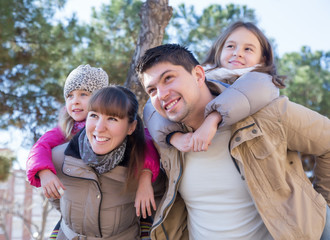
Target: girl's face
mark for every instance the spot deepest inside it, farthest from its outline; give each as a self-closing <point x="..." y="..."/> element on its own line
<point x="76" y="104"/>
<point x="242" y="49"/>
<point x="105" y="133"/>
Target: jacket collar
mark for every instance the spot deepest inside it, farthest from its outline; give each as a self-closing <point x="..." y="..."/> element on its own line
<point x="75" y="167"/>
<point x="243" y="131"/>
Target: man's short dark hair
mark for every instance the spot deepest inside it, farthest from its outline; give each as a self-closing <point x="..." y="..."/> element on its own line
<point x="172" y="53"/>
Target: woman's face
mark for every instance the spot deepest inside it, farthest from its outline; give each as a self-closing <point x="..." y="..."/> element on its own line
<point x="105" y="133"/>
<point x="242" y="49"/>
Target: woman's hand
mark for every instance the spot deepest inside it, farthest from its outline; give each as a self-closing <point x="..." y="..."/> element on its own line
<point x="145" y="195"/>
<point x="51" y="185"/>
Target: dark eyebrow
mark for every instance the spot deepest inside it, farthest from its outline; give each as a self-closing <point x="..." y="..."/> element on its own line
<point x="160" y="77"/>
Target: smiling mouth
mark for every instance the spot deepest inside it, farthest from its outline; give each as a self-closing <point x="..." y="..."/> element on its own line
<point x="101" y="139"/>
<point x="236" y="63"/>
<point x="169" y="106"/>
<point x="77" y="110"/>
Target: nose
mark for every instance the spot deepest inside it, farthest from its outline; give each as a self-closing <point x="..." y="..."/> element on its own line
<point x="76" y="100"/>
<point x="238" y="52"/>
<point x="162" y="92"/>
<point x="100" y="125"/>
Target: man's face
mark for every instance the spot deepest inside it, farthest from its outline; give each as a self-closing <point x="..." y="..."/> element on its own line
<point x="173" y="91"/>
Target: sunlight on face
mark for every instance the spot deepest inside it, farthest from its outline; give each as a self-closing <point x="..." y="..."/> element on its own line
<point x="242" y="49"/>
<point x="173" y="91"/>
<point x="105" y="133"/>
<point x="76" y="104"/>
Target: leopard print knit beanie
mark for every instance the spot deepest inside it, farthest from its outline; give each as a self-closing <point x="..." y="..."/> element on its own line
<point x="86" y="78"/>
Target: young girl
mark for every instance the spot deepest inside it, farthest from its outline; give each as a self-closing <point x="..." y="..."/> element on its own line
<point x="240" y="49"/>
<point x="79" y="86"/>
<point x="98" y="167"/>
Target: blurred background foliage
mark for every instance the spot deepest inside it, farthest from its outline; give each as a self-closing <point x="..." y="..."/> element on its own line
<point x="6" y="162"/>
<point x="37" y="53"/>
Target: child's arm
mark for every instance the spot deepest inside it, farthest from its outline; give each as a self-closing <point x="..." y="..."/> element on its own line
<point x="151" y="160"/>
<point x="145" y="194"/>
<point x="51" y="185"/>
<point x="246" y="96"/>
<point x="200" y="139"/>
<point x="181" y="141"/>
<point x="40" y="156"/>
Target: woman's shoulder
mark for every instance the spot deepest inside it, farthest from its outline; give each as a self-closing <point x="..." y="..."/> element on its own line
<point x="60" y="148"/>
<point x="58" y="152"/>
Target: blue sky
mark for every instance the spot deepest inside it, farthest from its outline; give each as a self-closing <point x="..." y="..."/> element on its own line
<point x="292" y="23"/>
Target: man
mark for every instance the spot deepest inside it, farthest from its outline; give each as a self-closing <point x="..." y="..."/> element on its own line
<point x="257" y="188"/>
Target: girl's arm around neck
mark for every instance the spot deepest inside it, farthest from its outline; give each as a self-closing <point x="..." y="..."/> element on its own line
<point x="247" y="95"/>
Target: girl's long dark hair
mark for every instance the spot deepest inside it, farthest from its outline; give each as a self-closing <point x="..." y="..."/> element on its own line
<point x="120" y="102"/>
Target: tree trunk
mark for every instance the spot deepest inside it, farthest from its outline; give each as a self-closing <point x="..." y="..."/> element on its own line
<point x="155" y="15"/>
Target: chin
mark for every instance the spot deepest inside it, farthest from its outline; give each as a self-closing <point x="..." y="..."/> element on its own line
<point x="162" y="113"/>
<point x="100" y="151"/>
<point x="174" y="118"/>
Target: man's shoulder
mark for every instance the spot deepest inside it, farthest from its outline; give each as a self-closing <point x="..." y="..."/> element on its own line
<point x="283" y="110"/>
<point x="277" y="106"/>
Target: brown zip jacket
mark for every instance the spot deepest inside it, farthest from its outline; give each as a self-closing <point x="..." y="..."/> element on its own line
<point x="265" y="147"/>
<point x="93" y="205"/>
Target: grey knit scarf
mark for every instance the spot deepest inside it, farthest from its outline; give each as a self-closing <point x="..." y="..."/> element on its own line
<point x="101" y="163"/>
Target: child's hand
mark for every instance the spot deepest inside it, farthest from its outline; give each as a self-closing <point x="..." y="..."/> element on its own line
<point x="202" y="137"/>
<point x="181" y="141"/>
<point x="145" y="195"/>
<point x="51" y="185"/>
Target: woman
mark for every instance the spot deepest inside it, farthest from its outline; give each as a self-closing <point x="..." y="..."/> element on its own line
<point x="99" y="166"/>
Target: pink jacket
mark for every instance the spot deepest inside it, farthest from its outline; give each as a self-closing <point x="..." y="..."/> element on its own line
<point x="40" y="156"/>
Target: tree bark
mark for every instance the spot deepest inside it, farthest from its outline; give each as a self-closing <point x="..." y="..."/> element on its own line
<point x="155" y="16"/>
